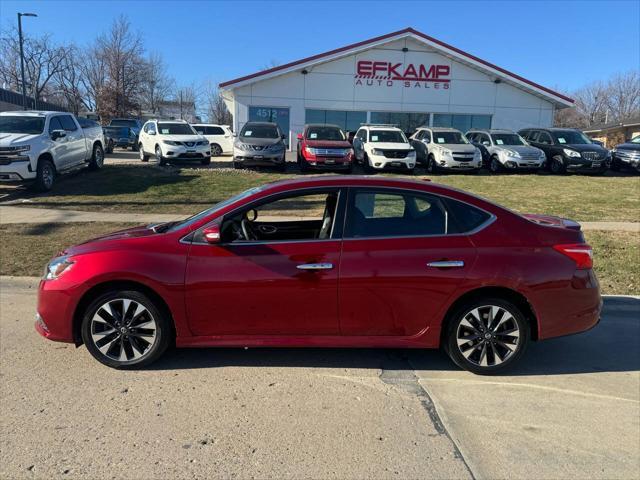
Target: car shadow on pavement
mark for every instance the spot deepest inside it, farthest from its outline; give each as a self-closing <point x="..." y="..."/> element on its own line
<point x="612" y="346"/>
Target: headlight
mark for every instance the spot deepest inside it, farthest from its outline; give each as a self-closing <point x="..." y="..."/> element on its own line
<point x="446" y="153"/>
<point x="22" y="148"/>
<point x="57" y="267"/>
<point x="203" y="142"/>
<point x="170" y="142"/>
<point x="510" y="153"/>
<point x="570" y="153"/>
<point x="310" y="150"/>
<point x="377" y="151"/>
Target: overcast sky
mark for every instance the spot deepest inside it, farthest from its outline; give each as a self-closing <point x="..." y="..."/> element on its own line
<point x="558" y="44"/>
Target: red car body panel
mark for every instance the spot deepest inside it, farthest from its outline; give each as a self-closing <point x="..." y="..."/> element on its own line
<point x="379" y="294"/>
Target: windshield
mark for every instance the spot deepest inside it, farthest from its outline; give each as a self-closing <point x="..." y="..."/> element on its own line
<point x="388" y="136"/>
<point x="259" y="131"/>
<point x="635" y="139"/>
<point x="21" y="124"/>
<point x="449" y="137"/>
<point x="205" y="213"/>
<point x="571" y="137"/>
<point x="175" y="129"/>
<point x="325" y="133"/>
<point x="123" y="123"/>
<point x="507" y="139"/>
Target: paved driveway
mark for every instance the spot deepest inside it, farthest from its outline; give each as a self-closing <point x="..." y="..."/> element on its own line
<point x="572" y="410"/>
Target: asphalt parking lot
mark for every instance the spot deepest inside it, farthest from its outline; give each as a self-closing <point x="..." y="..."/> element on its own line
<point x="572" y="409"/>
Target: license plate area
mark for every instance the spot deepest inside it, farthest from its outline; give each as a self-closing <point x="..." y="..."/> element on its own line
<point x="596" y="164"/>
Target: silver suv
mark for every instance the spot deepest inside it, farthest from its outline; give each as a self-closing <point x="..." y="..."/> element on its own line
<point x="506" y="150"/>
<point x="445" y="149"/>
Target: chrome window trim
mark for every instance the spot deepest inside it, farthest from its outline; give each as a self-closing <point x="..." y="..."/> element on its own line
<point x="492" y="218"/>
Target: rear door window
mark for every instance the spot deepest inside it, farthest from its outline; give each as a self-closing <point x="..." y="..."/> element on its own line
<point x="67" y="123"/>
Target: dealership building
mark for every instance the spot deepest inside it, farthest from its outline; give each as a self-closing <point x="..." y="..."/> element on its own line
<point x="405" y="78"/>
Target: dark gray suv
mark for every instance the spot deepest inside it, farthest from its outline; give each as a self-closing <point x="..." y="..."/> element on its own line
<point x="260" y="144"/>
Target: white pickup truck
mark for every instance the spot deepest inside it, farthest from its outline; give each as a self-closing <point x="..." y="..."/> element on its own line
<point x="36" y="146"/>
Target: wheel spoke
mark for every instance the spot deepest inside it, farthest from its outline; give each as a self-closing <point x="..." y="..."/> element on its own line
<point x="105" y="344"/>
<point x="497" y="359"/>
<point x="483" y="356"/>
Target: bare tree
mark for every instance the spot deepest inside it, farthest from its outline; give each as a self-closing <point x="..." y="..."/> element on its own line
<point x="43" y="60"/>
<point x="591" y="102"/>
<point x="156" y="83"/>
<point x="217" y="111"/>
<point x="623" y="96"/>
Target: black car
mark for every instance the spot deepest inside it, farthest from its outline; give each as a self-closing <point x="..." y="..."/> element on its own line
<point x="627" y="155"/>
<point x="568" y="150"/>
<point x="123" y="137"/>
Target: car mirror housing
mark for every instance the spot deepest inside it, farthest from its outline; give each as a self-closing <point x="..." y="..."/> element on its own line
<point x="299" y="136"/>
<point x="212" y="234"/>
<point x="56" y="134"/>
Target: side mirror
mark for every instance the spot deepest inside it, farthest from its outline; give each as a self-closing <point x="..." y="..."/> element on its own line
<point x="56" y="134"/>
<point x="152" y="132"/>
<point x="299" y="136"/>
<point x="486" y="144"/>
<point x="212" y="234"/>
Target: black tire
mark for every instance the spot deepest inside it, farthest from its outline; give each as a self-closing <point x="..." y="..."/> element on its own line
<point x="143" y="156"/>
<point x="557" y="165"/>
<point x="368" y="168"/>
<point x="134" y="148"/>
<point x="216" y="150"/>
<point x="494" y="165"/>
<point x="238" y="165"/>
<point x="45" y="175"/>
<point x="302" y="163"/>
<point x="109" y="148"/>
<point x="94" y="339"/>
<point x="432" y="167"/>
<point x="161" y="160"/>
<point x="205" y="161"/>
<point x="615" y="166"/>
<point x="97" y="158"/>
<point x="349" y="168"/>
<point x="487" y="340"/>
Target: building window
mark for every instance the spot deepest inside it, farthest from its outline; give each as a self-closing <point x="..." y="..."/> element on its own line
<point x="348" y="121"/>
<point x="407" y="122"/>
<point x="461" y="122"/>
<point x="271" y="114"/>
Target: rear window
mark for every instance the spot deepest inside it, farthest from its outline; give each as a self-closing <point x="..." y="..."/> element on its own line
<point x="464" y="218"/>
<point x="87" y="123"/>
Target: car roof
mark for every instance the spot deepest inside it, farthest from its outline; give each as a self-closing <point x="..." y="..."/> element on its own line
<point x="209" y="125"/>
<point x="31" y="113"/>
<point x="439" y="129"/>
<point x="491" y="130"/>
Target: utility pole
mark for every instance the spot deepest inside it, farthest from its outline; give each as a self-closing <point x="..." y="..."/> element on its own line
<point x="181" y="105"/>
<point x="21" y="40"/>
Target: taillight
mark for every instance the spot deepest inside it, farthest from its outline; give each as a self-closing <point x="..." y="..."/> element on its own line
<point x="581" y="253"/>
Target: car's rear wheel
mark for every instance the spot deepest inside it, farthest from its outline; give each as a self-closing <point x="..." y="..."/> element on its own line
<point x="487" y="336"/>
<point x="216" y="150"/>
<point x="97" y="158"/>
<point x="125" y="329"/>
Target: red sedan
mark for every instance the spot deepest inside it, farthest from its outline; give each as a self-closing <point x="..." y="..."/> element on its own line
<point x="328" y="262"/>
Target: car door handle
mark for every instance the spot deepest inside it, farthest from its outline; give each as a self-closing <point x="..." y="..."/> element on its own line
<point x="446" y="264"/>
<point x="315" y="266"/>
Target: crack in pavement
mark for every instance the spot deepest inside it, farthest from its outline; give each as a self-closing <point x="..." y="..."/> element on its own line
<point x="397" y="370"/>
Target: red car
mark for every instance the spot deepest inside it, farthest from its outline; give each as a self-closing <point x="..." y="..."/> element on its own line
<point x="328" y="262"/>
<point x="324" y="147"/>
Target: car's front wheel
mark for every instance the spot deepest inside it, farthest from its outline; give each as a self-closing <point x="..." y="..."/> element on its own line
<point x="143" y="156"/>
<point x="487" y="336"/>
<point x="494" y="165"/>
<point x="557" y="165"/>
<point x="161" y="160"/>
<point x="125" y="329"/>
<point x="97" y="158"/>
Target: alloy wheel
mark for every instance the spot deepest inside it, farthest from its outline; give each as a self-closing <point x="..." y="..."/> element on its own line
<point x="141" y="153"/>
<point x="488" y="336"/>
<point x="123" y="330"/>
<point x="216" y="151"/>
<point x="99" y="157"/>
<point x="47" y="176"/>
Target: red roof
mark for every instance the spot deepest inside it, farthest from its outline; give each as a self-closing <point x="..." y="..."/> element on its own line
<point x="390" y="35"/>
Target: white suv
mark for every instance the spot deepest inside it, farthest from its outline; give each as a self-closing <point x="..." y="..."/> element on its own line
<point x="220" y="137"/>
<point x="381" y="147"/>
<point x="445" y="149"/>
<point x="169" y="139"/>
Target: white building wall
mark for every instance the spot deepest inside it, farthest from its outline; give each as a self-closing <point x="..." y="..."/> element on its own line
<point x="332" y="86"/>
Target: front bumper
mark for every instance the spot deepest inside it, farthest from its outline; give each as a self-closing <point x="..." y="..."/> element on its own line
<point x="573" y="164"/>
<point x="17" y="171"/>
<point x="266" y="159"/>
<point x="54" y="314"/>
<point x="380" y="162"/>
<point x="450" y="164"/>
<point x="627" y="160"/>
<point x="184" y="153"/>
